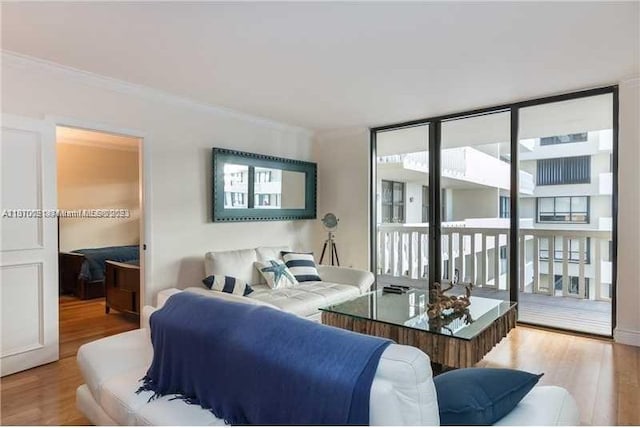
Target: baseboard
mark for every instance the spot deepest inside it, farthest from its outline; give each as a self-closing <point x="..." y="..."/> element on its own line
<point x="627" y="337"/>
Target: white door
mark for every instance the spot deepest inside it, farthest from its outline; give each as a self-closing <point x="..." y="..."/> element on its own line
<point x="28" y="244"/>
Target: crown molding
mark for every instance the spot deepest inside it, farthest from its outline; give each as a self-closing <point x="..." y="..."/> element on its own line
<point x="21" y="61"/>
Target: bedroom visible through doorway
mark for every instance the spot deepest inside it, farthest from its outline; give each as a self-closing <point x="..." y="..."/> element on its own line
<point x="100" y="226"/>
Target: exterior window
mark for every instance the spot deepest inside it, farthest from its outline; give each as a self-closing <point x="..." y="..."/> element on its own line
<point x="573" y="170"/>
<point x="505" y="209"/>
<point x="503" y="260"/>
<point x="235" y="200"/>
<point x="564" y="139"/>
<point x="392" y="202"/>
<point x="563" y="209"/>
<point x="574" y="284"/>
<point x="264" y="177"/>
<point x="425" y="204"/>
<point x="610" y="251"/>
<point x="574" y="250"/>
<point x="236" y="178"/>
<point x="267" y="200"/>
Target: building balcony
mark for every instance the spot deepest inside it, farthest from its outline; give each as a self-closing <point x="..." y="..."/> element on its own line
<point x="461" y="164"/>
<point x="477" y="251"/>
<point x="605" y="183"/>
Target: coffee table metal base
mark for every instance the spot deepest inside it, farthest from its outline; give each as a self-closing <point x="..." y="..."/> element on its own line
<point x="444" y="351"/>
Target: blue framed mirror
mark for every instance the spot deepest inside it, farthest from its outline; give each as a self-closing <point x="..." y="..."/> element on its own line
<point x="255" y="187"/>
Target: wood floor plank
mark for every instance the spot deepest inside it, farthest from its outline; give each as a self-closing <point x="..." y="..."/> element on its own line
<point x="603" y="376"/>
<point x="45" y="395"/>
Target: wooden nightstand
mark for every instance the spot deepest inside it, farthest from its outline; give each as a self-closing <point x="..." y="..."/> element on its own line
<point x="122" y="287"/>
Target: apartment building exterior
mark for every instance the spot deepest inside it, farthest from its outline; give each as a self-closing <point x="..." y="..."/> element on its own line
<point x="565" y="214"/>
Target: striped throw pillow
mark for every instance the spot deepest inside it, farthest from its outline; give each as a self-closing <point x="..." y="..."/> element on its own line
<point x="227" y="284"/>
<point x="302" y="266"/>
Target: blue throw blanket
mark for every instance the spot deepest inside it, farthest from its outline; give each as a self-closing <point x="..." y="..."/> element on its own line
<point x="256" y="365"/>
<point x="92" y="268"/>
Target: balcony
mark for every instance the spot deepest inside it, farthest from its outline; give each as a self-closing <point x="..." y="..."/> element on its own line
<point x="571" y="287"/>
<point x="462" y="164"/>
<point x="605" y="183"/>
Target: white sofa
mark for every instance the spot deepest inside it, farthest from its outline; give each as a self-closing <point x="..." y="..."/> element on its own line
<point x="402" y="393"/>
<point x="338" y="283"/>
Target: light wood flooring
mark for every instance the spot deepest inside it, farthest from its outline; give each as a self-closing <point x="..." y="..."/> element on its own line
<point x="46" y="395"/>
<point x="603" y="377"/>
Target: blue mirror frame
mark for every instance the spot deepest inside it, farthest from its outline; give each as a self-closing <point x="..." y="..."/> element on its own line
<point x="252" y="160"/>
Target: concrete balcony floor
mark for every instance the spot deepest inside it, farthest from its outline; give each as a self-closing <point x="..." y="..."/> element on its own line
<point x="569" y="313"/>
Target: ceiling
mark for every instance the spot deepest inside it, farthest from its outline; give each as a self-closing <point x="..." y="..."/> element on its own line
<point x="335" y="64"/>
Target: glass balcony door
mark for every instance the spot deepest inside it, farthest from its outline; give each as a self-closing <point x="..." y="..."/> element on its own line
<point x="566" y="222"/>
<point x="402" y="206"/>
<point x="517" y="200"/>
<point x="475" y="180"/>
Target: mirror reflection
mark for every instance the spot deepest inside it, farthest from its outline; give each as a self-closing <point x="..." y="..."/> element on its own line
<point x="236" y="186"/>
<point x="254" y="187"/>
<point x="276" y="188"/>
<point x="267" y="188"/>
<point x="293" y="195"/>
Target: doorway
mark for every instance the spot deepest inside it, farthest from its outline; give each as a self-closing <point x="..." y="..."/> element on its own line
<point x="100" y="231"/>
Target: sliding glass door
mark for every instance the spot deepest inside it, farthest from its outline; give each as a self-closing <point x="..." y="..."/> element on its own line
<point x="517" y="200"/>
<point x="402" y="206"/>
<point x="475" y="178"/>
<point x="566" y="223"/>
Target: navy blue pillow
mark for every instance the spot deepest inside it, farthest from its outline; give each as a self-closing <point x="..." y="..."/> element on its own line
<point x="480" y="396"/>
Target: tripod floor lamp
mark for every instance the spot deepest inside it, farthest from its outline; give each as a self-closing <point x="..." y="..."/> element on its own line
<point x="330" y="223"/>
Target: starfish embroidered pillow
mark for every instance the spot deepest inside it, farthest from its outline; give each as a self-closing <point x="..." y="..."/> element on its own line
<point x="276" y="273"/>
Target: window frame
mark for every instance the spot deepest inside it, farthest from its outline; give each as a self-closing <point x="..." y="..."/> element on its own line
<point x="504" y="208"/>
<point x="554" y="140"/>
<point x="561" y="169"/>
<point x="393" y="203"/>
<point x="425" y="204"/>
<point x="571" y="212"/>
<point x="560" y="259"/>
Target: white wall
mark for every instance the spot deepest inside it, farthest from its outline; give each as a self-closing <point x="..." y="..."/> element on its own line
<point x="474" y="203"/>
<point x="413" y="202"/>
<point x="343" y="165"/>
<point x="92" y="177"/>
<point x="179" y="135"/>
<point x="628" y="327"/>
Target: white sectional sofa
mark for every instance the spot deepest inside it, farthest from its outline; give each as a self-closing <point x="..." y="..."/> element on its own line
<point x="338" y="283"/>
<point x="402" y="393"/>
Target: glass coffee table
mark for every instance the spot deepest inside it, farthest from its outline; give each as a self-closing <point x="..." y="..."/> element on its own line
<point x="452" y="341"/>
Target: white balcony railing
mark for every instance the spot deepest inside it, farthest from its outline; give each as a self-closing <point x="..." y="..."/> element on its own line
<point x="480" y="255"/>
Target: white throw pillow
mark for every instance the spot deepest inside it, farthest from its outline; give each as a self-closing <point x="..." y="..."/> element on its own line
<point x="236" y="263"/>
<point x="302" y="265"/>
<point x="276" y="273"/>
<point x="271" y="253"/>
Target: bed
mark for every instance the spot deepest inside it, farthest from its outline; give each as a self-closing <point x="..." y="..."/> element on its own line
<point x="82" y="271"/>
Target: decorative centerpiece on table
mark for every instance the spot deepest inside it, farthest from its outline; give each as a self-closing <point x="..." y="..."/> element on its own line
<point x="442" y="308"/>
